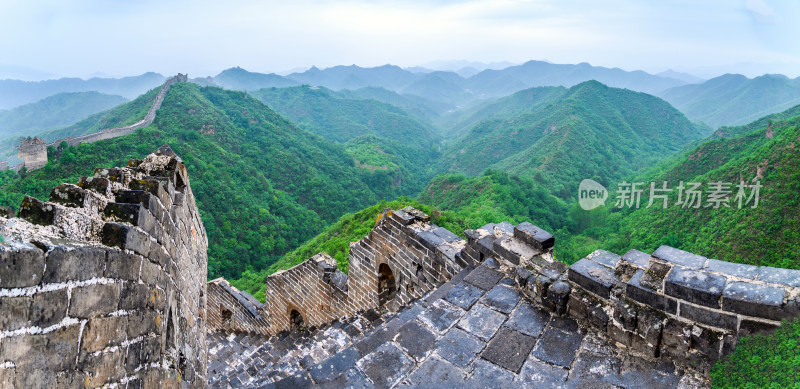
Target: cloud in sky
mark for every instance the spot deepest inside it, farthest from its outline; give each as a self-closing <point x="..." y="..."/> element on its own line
<point x="202" y="37"/>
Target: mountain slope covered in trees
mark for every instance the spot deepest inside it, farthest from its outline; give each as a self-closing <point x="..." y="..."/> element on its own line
<point x="263" y="186"/>
<point x="591" y="131"/>
<point x="734" y="99"/>
<point x="53" y="112"/>
<point x="769" y="154"/>
<point x="15" y="92"/>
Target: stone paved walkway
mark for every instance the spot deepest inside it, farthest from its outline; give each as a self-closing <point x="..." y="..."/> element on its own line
<point x="475" y="331"/>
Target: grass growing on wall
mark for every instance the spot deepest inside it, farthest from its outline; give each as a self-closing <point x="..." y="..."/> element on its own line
<point x="762" y="361"/>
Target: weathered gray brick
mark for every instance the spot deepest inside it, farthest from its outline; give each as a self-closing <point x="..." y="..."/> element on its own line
<point x="680" y="257"/>
<point x="21" y="265"/>
<point x="754" y="299"/>
<point x="593" y="277"/>
<point x="695" y="286"/>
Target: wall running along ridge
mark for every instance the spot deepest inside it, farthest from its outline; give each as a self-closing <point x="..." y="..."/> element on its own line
<point x="105" y="284"/>
<point x="671" y="304"/>
<point x="34" y="156"/>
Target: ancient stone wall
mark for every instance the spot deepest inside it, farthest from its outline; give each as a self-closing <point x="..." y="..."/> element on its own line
<point x="104" y="285"/>
<point x="110" y="133"/>
<point x="32" y="152"/>
<point x="671" y="304"/>
<point x="232" y="310"/>
<point x="679" y="304"/>
<point x="401" y="259"/>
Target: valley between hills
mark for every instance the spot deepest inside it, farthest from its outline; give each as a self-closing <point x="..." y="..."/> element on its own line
<point x="284" y="167"/>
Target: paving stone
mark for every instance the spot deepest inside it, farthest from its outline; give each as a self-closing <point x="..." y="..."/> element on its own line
<point x="695" y="286"/>
<point x="464" y="295"/>
<point x="491" y="263"/>
<point x="297" y="381"/>
<point x="459" y="347"/>
<point x="557" y="346"/>
<point x="528" y="320"/>
<point x="484" y="277"/>
<point x="594" y="367"/>
<point x="435" y="373"/>
<point x="488" y="375"/>
<point x="482" y="321"/>
<point x="415" y="339"/>
<point x="501" y="298"/>
<point x="639" y="373"/>
<point x="509" y="349"/>
<point x="334" y="366"/>
<point x="680" y="257"/>
<point x="537" y="374"/>
<point x="386" y="366"/>
<point x="351" y="379"/>
<point x="441" y="315"/>
<point x="735" y="269"/>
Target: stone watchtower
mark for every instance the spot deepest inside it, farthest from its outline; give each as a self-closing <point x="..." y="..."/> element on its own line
<point x="33" y="152"/>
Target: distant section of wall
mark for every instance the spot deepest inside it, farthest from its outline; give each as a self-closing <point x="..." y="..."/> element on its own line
<point x="120" y="131"/>
<point x="33" y="153"/>
<point x="3" y="165"/>
<point x="232" y="310"/>
<point x="105" y="284"/>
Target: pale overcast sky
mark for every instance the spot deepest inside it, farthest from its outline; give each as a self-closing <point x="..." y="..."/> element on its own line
<point x="202" y="37"/>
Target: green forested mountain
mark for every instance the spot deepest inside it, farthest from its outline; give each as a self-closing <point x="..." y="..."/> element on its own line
<point x="539" y="73"/>
<point x="521" y="102"/>
<point x="414" y="105"/>
<point x="320" y="111"/>
<point x="263" y="186"/>
<point x="734" y="99"/>
<point x="355" y="77"/>
<point x="15" y="92"/>
<point x="591" y="131"/>
<point x="55" y="111"/>
<point x="765" y="235"/>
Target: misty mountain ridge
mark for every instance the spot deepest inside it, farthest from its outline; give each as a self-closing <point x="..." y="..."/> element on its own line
<point x="14" y="93"/>
<point x="733" y="99"/>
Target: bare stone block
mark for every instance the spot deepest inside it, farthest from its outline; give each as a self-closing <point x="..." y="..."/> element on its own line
<point x="66" y="263"/>
<point x="695" y="286"/>
<point x="105" y="368"/>
<point x="49" y="308"/>
<point x="94" y="300"/>
<point x="15" y="312"/>
<point x="21" y="265"/>
<point x="54" y="351"/>
<point x="100" y="333"/>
